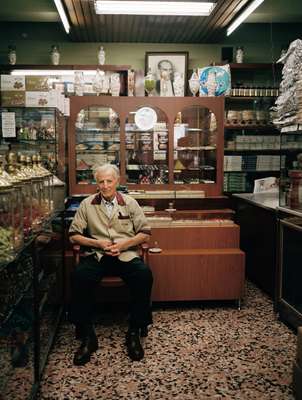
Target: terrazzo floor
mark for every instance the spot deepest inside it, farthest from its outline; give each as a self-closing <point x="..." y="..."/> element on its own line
<point x="193" y="352"/>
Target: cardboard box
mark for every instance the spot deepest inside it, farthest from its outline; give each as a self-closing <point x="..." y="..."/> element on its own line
<point x="12" y="99"/>
<point x="12" y="83"/>
<point x="297" y="381"/>
<point x="41" y="99"/>
<point x="37" y="83"/>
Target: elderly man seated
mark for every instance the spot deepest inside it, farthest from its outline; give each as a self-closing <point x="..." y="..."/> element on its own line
<point x="113" y="226"/>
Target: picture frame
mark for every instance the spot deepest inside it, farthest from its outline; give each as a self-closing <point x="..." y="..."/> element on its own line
<point x="165" y="66"/>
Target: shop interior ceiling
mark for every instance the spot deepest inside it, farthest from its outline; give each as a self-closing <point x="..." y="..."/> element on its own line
<point x="87" y="26"/>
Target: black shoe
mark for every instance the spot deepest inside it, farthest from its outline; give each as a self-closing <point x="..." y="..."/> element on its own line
<point x="134" y="347"/>
<point x="88" y="346"/>
<point x="144" y="331"/>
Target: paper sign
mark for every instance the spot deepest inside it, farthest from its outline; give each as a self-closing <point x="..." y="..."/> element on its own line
<point x="8" y="124"/>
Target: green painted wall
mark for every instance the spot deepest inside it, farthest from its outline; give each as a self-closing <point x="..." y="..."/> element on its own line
<point x="262" y="43"/>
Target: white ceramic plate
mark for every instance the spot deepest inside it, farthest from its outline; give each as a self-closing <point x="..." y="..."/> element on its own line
<point x="145" y="118"/>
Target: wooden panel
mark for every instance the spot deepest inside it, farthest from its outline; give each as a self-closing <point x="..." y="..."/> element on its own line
<point x="206" y="276"/>
<point x="209" y="237"/>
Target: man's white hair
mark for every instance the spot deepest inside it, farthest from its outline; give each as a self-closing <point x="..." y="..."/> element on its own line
<point x="107" y="168"/>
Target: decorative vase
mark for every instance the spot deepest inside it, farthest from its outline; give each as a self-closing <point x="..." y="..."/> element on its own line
<point x="12" y="55"/>
<point x="149" y="83"/>
<point x="101" y="56"/>
<point x="55" y="55"/>
<point x="115" y="84"/>
<point x="98" y="80"/>
<point x="131" y="82"/>
<point x="178" y="84"/>
<point x="194" y="83"/>
<point x="239" y="55"/>
<point x="139" y="83"/>
<point x="79" y="83"/>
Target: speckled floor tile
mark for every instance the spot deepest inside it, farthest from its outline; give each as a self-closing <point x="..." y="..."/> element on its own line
<point x="192" y="353"/>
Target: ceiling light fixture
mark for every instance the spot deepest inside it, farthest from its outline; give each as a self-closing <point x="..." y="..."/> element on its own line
<point x="50" y="72"/>
<point x="154" y="7"/>
<point x="62" y="14"/>
<point x="252" y="7"/>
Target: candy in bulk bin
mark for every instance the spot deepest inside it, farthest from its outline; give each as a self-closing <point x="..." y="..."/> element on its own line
<point x="9" y="241"/>
<point x="37" y="195"/>
<point x="47" y="199"/>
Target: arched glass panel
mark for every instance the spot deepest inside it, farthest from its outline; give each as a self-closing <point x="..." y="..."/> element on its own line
<point x="195" y="134"/>
<point x="97" y="141"/>
<point x="147" y="146"/>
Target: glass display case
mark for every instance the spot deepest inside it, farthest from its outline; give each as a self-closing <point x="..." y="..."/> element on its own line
<point x="290" y="194"/>
<point x="195" y="144"/>
<point x="97" y="132"/>
<point x="35" y="130"/>
<point x="170" y="144"/>
<point x="146" y="148"/>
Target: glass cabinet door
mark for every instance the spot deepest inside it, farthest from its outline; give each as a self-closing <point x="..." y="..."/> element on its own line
<point x="147" y="146"/>
<point x="37" y="131"/>
<point x="195" y="135"/>
<point x="290" y="193"/>
<point x="97" y="141"/>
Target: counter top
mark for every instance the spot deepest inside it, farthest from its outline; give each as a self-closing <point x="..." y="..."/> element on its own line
<point x="269" y="201"/>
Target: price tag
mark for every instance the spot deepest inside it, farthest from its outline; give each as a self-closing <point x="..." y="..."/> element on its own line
<point x="8" y="124"/>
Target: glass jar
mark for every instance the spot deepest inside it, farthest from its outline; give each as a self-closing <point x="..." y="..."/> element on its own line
<point x="101" y="56"/>
<point x="17" y="175"/>
<point x="295" y="192"/>
<point x="55" y="55"/>
<point x="239" y="55"/>
<point x="15" y="222"/>
<point x="6" y="221"/>
<point x="12" y="55"/>
<point x="194" y="83"/>
<point x="38" y="196"/>
<point x="48" y="183"/>
<point x="79" y="85"/>
<point x="115" y="84"/>
<point x="45" y="176"/>
<point x="149" y="83"/>
<point x="179" y="84"/>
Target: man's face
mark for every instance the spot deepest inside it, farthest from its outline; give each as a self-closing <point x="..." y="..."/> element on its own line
<point x="107" y="183"/>
<point x="166" y="69"/>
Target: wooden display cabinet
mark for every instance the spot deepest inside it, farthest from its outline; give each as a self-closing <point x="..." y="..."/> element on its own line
<point x="183" y="151"/>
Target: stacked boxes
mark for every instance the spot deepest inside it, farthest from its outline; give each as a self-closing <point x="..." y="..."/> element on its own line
<point x="30" y="91"/>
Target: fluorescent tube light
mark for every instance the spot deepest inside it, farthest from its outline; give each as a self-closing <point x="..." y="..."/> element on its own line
<point x="154" y="7"/>
<point x="252" y="7"/>
<point x="62" y="14"/>
<point x="50" y="72"/>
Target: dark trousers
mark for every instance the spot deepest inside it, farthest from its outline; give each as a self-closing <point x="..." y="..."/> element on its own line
<point x="87" y="276"/>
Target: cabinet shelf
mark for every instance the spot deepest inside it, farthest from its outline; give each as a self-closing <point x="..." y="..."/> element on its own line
<point x="197" y="148"/>
<point x="96" y="151"/>
<point x="251" y="126"/>
<point x="258" y="151"/>
<point x="96" y="131"/>
<point x="250" y="98"/>
<point x="255" y="66"/>
<point x="252" y="170"/>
